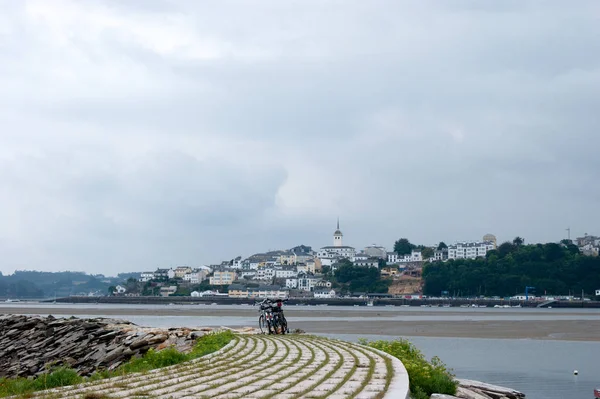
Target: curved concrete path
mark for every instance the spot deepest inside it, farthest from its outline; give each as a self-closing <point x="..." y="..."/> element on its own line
<point x="258" y="366"/>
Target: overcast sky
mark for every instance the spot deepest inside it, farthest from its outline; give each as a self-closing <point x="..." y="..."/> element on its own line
<point x="139" y="134"/>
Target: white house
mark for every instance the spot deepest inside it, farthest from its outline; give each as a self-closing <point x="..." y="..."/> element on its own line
<point x="271" y="291"/>
<point x="369" y="262"/>
<point x="469" y="250"/>
<point x="120" y="290"/>
<point x="286" y="272"/>
<point x="307" y="283"/>
<point x="265" y="273"/>
<point x="291" y="283"/>
<point x="196" y="276"/>
<point x="171" y="273"/>
<point x="237" y="263"/>
<point x="146" y="276"/>
<point x="324" y="293"/>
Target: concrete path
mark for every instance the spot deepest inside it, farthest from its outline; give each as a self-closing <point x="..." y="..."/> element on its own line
<point x="259" y="366"/>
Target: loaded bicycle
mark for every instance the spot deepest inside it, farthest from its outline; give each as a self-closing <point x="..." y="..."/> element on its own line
<point x="271" y="319"/>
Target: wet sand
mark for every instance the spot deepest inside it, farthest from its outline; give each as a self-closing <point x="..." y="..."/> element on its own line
<point x="574" y="330"/>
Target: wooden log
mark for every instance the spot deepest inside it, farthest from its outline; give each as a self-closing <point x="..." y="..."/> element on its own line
<point x="503" y="391"/>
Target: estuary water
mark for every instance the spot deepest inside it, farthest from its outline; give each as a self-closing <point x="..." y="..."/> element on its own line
<point x="542" y="369"/>
<point x="539" y="368"/>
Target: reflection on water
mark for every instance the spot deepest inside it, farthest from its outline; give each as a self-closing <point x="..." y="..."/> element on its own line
<point x="540" y="369"/>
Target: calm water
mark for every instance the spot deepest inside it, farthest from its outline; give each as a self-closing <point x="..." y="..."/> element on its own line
<point x="541" y="369"/>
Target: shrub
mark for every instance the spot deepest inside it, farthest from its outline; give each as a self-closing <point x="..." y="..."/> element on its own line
<point x="426" y="378"/>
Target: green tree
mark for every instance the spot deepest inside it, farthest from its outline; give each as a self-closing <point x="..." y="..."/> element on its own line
<point x="442" y="245"/>
<point x="552" y="268"/>
<point x="111" y="290"/>
<point x="403" y="246"/>
<point x="518" y="241"/>
<point x="427" y="252"/>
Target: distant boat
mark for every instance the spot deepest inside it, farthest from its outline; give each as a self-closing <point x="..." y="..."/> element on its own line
<point x="12" y="300"/>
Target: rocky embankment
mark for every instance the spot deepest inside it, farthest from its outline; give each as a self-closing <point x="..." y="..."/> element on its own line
<point x="470" y="389"/>
<point x="28" y="345"/>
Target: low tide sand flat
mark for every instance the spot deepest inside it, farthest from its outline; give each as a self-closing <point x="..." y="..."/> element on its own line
<point x="259" y="366"/>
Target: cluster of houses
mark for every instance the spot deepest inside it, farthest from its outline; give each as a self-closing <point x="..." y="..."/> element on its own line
<point x="589" y="245"/>
<point x="299" y="271"/>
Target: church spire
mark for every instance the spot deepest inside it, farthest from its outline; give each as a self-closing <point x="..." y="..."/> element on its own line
<point x="338" y="224"/>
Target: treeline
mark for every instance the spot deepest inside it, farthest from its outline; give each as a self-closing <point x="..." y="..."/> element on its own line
<point x="555" y="269"/>
<point x="349" y="278"/>
<point x="37" y="284"/>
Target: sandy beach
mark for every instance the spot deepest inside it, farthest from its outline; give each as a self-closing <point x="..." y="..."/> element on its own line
<point x="492" y="323"/>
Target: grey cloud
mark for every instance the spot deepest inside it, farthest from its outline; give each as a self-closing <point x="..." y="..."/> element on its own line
<point x="230" y="128"/>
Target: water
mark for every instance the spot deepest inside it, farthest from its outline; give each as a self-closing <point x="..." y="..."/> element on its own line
<point x="541" y="369"/>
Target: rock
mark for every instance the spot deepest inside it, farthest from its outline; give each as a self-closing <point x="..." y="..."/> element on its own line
<point x="494" y="391"/>
<point x="29" y="345"/>
<point x="466" y="393"/>
<point x="196" y="334"/>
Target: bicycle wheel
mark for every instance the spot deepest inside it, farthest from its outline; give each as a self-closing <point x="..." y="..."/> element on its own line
<point x="263" y="325"/>
<point x="277" y="324"/>
<point x="284" y="326"/>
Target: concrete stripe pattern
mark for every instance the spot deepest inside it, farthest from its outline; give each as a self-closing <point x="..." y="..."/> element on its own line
<point x="260" y="366"/>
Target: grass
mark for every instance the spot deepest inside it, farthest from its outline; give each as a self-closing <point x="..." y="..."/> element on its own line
<point x="63" y="376"/>
<point x="425" y="377"/>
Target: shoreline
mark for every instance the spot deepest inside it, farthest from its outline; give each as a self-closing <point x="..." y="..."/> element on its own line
<point x="372" y="321"/>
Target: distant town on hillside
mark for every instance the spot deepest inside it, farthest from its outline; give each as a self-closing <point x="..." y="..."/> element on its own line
<point x="408" y="270"/>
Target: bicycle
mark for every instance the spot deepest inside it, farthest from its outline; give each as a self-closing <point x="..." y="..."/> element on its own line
<point x="279" y="320"/>
<point x="271" y="319"/>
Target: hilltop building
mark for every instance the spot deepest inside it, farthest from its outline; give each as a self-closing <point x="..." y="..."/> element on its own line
<point x="469" y="250"/>
<point x="337" y="250"/>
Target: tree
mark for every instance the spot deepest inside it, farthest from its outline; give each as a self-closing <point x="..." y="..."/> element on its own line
<point x="442" y="245"/>
<point x="518" y="241"/>
<point x="403" y="247"/>
<point x="427" y="253"/>
<point x="111" y="290"/>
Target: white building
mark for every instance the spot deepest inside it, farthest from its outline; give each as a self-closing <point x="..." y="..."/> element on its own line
<point x="369" y="262"/>
<point x="394" y="259"/>
<point x="337" y="249"/>
<point x="440" y="254"/>
<point x="264" y="273"/>
<point x="306" y="283"/>
<point x="146" y="276"/>
<point x="324" y="293"/>
<point x="469" y="250"/>
<point x="196" y="276"/>
<point x="291" y="283"/>
<point x="237" y="263"/>
<point x="286" y="272"/>
<point x="120" y="290"/>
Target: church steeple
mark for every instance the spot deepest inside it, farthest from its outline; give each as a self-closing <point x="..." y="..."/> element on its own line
<point x="337" y="236"/>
